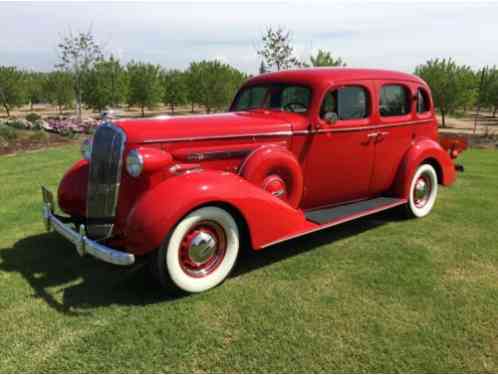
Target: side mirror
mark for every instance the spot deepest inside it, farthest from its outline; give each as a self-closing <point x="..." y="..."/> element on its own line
<point x="330" y="117"/>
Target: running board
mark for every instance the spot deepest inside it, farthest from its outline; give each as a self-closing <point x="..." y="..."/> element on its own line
<point x="341" y="214"/>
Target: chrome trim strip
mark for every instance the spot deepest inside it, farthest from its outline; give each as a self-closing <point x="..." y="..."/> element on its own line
<point x="217" y="155"/>
<point x="283" y="133"/>
<point x="359" y="128"/>
<point x="337" y="222"/>
<point x="83" y="244"/>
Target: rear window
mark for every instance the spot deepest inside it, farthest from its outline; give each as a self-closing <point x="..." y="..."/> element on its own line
<point x="423" y="102"/>
<point x="394" y="100"/>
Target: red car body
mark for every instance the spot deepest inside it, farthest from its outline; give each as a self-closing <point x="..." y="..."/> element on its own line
<point x="270" y="168"/>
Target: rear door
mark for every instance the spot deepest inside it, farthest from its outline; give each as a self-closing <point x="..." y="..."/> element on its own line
<point x="394" y="115"/>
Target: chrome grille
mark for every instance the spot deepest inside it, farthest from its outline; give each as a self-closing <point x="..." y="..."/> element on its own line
<point x="103" y="180"/>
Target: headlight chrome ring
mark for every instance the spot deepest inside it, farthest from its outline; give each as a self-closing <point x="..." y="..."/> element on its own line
<point x="134" y="163"/>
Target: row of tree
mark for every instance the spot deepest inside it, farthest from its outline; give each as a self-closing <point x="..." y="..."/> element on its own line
<point x="459" y="87"/>
<point x="84" y="76"/>
<point x="109" y="83"/>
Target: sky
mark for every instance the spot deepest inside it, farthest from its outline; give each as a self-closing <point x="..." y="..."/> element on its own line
<point x="389" y="35"/>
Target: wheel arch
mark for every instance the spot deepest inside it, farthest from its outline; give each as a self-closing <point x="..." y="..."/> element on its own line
<point x="233" y="210"/>
<point x="254" y="210"/>
<point x="424" y="151"/>
<point x="437" y="166"/>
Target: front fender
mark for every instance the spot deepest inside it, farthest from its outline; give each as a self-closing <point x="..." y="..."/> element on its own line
<point x="157" y="212"/>
<point x="424" y="150"/>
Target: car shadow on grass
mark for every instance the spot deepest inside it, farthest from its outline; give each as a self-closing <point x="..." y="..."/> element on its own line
<point x="73" y="285"/>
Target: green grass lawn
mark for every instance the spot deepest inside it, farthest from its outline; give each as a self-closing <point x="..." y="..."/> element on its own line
<point x="379" y="294"/>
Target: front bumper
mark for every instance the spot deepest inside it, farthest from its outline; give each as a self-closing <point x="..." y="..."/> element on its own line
<point x="83" y="244"/>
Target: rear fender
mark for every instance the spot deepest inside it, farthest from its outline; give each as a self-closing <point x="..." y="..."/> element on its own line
<point x="429" y="151"/>
<point x="157" y="212"/>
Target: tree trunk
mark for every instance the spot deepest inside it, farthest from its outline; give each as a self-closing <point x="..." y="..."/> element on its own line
<point x="78" y="97"/>
<point x="6" y="109"/>
<point x="443" y="119"/>
<point x="172" y="107"/>
<point x="31" y="105"/>
<point x="494" y="110"/>
<point x="143" y="111"/>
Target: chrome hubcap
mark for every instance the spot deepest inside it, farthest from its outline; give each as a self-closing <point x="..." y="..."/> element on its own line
<point x="422" y="191"/>
<point x="202" y="247"/>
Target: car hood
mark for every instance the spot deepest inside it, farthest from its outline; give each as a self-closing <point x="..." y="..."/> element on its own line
<point x="165" y="128"/>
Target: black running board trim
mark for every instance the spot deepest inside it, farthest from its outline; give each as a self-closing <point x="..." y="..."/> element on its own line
<point x="327" y="215"/>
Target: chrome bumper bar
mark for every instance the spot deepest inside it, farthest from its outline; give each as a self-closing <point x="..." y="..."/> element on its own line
<point x="83" y="244"/>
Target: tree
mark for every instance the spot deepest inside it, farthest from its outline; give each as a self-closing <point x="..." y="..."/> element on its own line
<point x="488" y="88"/>
<point x="174" y="88"/>
<point x="449" y="83"/>
<point x="192" y="80"/>
<point x="144" y="85"/>
<point x="262" y="68"/>
<point x="467" y="85"/>
<point x="59" y="89"/>
<point x="78" y="54"/>
<point x="12" y="88"/>
<point x="34" y="87"/>
<point x="105" y="85"/>
<point x="324" y="58"/>
<point x="217" y="84"/>
<point x="277" y="51"/>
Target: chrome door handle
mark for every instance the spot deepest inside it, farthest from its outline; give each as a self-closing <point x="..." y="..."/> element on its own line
<point x="372" y="135"/>
<point x="383" y="133"/>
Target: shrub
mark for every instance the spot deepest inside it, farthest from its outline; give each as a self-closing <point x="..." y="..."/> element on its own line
<point x="69" y="127"/>
<point x="33" y="117"/>
<point x="19" y="124"/>
<point x="7" y="133"/>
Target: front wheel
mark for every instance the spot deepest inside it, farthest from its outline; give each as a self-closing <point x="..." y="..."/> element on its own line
<point x="423" y="191"/>
<point x="200" y="252"/>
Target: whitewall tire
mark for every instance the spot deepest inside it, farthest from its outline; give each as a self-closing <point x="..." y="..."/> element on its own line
<point x="200" y="252"/>
<point x="423" y="191"/>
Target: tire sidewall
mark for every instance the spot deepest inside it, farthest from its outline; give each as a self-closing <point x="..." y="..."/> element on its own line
<point x="177" y="275"/>
<point x="426" y="209"/>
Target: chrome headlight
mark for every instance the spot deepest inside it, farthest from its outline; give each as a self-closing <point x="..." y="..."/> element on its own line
<point x="86" y="149"/>
<point x="134" y="163"/>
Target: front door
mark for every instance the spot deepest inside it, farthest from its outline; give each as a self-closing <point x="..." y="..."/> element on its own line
<point x="340" y="149"/>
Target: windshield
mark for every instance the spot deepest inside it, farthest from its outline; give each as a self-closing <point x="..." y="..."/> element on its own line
<point x="279" y="96"/>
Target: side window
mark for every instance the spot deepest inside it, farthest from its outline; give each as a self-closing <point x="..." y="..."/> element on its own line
<point x="349" y="103"/>
<point x="295" y="99"/>
<point x="394" y="100"/>
<point x="423" y="102"/>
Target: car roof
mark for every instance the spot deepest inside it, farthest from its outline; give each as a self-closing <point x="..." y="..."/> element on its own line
<point x="327" y="74"/>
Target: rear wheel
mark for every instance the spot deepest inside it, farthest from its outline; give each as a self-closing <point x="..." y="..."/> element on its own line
<point x="200" y="252"/>
<point x="423" y="191"/>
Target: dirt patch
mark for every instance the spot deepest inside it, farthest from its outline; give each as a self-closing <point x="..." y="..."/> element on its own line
<point x="29" y="143"/>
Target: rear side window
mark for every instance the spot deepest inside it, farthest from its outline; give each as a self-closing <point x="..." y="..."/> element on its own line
<point x="423" y="102"/>
<point x="394" y="100"/>
<point x="349" y="103"/>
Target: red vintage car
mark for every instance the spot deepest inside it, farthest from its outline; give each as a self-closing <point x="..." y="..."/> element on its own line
<point x="299" y="151"/>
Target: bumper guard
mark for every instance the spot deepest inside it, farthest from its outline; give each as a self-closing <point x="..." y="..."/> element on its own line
<point x="83" y="244"/>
